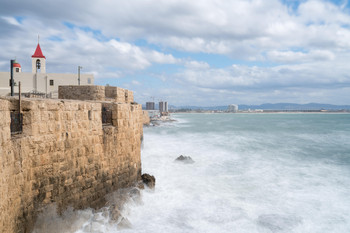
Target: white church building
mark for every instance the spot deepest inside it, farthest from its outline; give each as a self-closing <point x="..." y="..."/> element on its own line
<point x="38" y="81"/>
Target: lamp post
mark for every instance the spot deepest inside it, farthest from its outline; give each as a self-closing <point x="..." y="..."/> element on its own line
<point x="79" y="68"/>
<point x="12" y="81"/>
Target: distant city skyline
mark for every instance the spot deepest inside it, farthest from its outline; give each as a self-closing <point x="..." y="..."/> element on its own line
<point x="203" y="53"/>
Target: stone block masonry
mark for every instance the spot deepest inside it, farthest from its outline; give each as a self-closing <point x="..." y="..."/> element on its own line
<point x="65" y="155"/>
<point x="87" y="92"/>
<point x="93" y="92"/>
<point x="146" y="119"/>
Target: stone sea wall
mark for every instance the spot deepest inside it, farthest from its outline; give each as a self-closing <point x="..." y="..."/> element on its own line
<point x="145" y="116"/>
<point x="65" y="155"/>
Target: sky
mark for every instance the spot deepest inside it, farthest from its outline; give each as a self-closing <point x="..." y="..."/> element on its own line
<point x="203" y="52"/>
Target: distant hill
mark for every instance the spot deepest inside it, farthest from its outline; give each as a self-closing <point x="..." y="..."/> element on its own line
<point x="292" y="106"/>
<point x="268" y="106"/>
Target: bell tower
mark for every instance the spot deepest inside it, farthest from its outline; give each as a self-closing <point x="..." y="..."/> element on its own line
<point x="38" y="61"/>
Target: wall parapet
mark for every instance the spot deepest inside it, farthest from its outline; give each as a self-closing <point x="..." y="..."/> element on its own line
<point x="65" y="155"/>
<point x="94" y="92"/>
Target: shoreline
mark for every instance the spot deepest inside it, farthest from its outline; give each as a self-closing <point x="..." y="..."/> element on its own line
<point x="277" y="112"/>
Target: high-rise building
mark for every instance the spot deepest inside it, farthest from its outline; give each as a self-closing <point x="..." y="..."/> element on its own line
<point x="232" y="108"/>
<point x="149" y="105"/>
<point x="163" y="106"/>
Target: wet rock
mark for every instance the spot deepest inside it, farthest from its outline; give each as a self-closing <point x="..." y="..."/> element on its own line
<point x="184" y="159"/>
<point x="148" y="180"/>
<point x="135" y="192"/>
<point x="141" y="185"/>
<point x="114" y="214"/>
<point x="105" y="212"/>
<point x="135" y="195"/>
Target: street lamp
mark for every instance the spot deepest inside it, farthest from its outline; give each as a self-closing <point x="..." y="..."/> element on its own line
<point x="12" y="81"/>
<point x="79" y="68"/>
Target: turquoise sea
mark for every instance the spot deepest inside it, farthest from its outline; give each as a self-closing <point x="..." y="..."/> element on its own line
<point x="252" y="173"/>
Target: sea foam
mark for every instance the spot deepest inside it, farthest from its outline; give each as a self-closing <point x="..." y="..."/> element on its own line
<point x="252" y="173"/>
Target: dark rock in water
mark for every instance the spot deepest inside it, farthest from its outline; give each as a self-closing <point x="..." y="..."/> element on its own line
<point x="184" y="159"/>
<point x="154" y="123"/>
<point x="148" y="180"/>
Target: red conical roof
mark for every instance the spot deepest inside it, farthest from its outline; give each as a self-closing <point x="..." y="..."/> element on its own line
<point x="38" y="52"/>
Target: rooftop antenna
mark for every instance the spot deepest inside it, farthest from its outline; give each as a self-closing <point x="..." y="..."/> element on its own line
<point x="38" y="38"/>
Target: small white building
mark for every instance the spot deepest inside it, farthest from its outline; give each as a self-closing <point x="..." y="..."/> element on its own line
<point x="38" y="81"/>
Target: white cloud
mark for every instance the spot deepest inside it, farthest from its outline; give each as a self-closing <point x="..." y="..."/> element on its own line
<point x="135" y="82"/>
<point x="300" y="57"/>
<point x="79" y="47"/>
<point x="278" y="49"/>
<point x="196" y="65"/>
<point x="11" y="20"/>
<point x="322" y="12"/>
<point x="237" y="78"/>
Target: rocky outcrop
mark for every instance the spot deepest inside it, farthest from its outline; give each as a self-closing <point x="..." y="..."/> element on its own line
<point x="149" y="180"/>
<point x="117" y="209"/>
<point x="184" y="159"/>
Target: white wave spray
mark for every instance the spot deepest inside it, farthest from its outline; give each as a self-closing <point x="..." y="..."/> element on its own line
<point x="252" y="173"/>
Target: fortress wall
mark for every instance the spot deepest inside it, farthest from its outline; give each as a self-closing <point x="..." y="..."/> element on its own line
<point x="10" y="178"/>
<point x="119" y="95"/>
<point x="145" y="117"/>
<point x="94" y="92"/>
<point x="82" y="92"/>
<point x="129" y="96"/>
<point x="115" y="93"/>
<point x="65" y="155"/>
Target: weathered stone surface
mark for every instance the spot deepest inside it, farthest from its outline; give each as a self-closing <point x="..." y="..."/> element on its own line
<point x="94" y="92"/>
<point x="149" y="180"/>
<point x="114" y="214"/>
<point x="80" y="92"/>
<point x="184" y="159"/>
<point x="145" y="118"/>
<point x="65" y="155"/>
<point x="141" y="185"/>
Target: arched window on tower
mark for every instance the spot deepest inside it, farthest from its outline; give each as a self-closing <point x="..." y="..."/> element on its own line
<point x="38" y="65"/>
